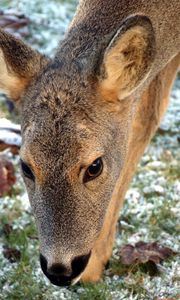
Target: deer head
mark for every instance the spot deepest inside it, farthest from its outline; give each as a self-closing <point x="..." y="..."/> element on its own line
<point x="76" y="114"/>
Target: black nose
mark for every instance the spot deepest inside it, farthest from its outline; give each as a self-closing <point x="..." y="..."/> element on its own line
<point x="60" y="275"/>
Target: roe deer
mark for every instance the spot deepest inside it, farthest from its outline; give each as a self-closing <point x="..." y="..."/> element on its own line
<point x="87" y="116"/>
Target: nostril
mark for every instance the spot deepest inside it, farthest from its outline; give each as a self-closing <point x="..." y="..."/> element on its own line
<point x="79" y="263"/>
<point x="55" y="269"/>
<point x="58" y="270"/>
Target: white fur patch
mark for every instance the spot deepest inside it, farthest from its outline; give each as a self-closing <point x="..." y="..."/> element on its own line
<point x="76" y="280"/>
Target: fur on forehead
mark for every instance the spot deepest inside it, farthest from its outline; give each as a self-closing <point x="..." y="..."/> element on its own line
<point x="58" y="89"/>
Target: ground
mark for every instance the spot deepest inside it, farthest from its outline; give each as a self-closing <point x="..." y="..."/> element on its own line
<point x="151" y="209"/>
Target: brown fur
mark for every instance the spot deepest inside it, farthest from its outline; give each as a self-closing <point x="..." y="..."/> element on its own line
<point x="103" y="95"/>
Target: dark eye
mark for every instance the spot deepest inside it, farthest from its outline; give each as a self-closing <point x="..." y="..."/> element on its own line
<point x="27" y="171"/>
<point x="93" y="170"/>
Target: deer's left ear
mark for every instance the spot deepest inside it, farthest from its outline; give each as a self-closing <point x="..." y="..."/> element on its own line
<point x="128" y="58"/>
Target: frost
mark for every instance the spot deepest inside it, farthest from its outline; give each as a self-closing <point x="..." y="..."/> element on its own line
<point x="155" y="188"/>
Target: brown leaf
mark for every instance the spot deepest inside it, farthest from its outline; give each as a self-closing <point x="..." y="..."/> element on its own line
<point x="7" y="175"/>
<point x="165" y="299"/>
<point x="7" y="229"/>
<point x="10" y="136"/>
<point x="12" y="254"/>
<point x="144" y="252"/>
<point x="13" y="22"/>
<point x="13" y="148"/>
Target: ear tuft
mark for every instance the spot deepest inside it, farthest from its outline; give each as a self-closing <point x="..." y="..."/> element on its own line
<point x="128" y="58"/>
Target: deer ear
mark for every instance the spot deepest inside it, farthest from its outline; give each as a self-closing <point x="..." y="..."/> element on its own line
<point x="128" y="58"/>
<point x="19" y="65"/>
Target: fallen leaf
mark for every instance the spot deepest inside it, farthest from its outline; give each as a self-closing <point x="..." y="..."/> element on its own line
<point x="7" y="175"/>
<point x="14" y="23"/>
<point x="14" y="149"/>
<point x="165" y="299"/>
<point x="12" y="254"/>
<point x="7" y="229"/>
<point x="144" y="252"/>
<point x="10" y="136"/>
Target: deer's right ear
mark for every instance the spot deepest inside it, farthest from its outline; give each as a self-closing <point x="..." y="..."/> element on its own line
<point x="19" y="65"/>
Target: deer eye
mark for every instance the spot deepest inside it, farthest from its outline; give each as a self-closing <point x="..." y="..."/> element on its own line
<point x="94" y="170"/>
<point x="27" y="171"/>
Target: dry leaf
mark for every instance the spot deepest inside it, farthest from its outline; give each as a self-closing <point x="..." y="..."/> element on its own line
<point x="14" y="22"/>
<point x="165" y="299"/>
<point x="10" y="136"/>
<point x="144" y="252"/>
<point x="12" y="254"/>
<point x="7" y="175"/>
<point x="7" y="229"/>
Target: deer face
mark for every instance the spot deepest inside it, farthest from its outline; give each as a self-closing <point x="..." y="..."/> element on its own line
<point x="70" y="169"/>
<point x="75" y="127"/>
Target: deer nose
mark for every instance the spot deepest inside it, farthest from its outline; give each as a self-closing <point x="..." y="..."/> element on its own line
<point x="62" y="275"/>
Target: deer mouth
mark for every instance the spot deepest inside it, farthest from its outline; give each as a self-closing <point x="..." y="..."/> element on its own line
<point x="63" y="280"/>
